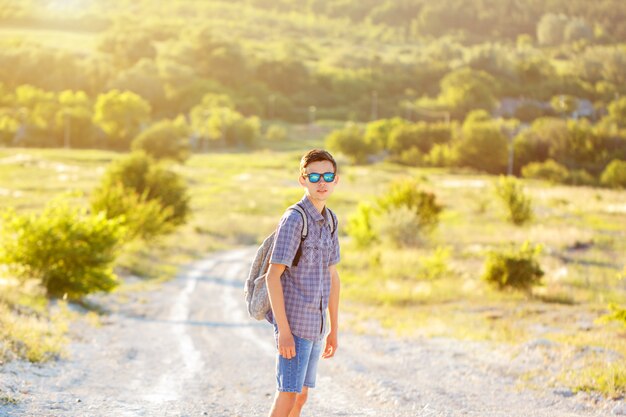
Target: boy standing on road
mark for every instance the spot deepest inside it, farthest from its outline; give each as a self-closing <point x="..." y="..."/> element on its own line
<point x="300" y="295"/>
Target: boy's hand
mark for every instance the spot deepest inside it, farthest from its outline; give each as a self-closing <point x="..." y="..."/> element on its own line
<point x="331" y="345"/>
<point x="286" y="345"/>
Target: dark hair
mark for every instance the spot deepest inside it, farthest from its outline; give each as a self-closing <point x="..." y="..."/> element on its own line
<point x="315" y="155"/>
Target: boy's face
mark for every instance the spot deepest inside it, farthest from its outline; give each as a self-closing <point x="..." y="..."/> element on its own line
<point x="320" y="190"/>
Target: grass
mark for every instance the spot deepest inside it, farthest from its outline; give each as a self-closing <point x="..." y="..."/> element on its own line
<point x="31" y="326"/>
<point x="237" y="198"/>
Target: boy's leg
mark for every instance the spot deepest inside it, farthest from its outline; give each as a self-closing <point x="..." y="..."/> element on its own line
<point x="309" y="380"/>
<point x="283" y="404"/>
<point x="299" y="403"/>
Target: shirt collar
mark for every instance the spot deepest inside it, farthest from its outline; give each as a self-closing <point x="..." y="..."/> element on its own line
<point x="310" y="209"/>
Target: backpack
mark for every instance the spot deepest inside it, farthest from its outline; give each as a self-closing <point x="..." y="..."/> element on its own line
<point x="255" y="290"/>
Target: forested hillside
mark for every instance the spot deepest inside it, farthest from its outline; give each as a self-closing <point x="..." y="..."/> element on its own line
<point x="70" y="69"/>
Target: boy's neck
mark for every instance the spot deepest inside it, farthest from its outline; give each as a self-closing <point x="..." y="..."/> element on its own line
<point x="318" y="204"/>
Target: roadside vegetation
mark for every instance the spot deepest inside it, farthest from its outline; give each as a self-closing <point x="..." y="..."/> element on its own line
<point x="482" y="160"/>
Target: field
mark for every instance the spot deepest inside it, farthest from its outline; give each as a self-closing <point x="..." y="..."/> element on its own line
<point x="238" y="197"/>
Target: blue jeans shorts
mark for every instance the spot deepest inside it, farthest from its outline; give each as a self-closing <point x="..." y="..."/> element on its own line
<point x="292" y="374"/>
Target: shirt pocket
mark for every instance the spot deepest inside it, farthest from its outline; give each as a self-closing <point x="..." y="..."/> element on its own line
<point x="311" y="252"/>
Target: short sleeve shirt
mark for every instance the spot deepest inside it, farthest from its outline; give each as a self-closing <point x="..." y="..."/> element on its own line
<point x="306" y="287"/>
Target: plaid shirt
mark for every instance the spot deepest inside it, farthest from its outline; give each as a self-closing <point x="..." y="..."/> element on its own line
<point x="306" y="287"/>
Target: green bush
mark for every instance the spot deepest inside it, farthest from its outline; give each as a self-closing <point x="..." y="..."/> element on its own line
<point x="276" y="133"/>
<point x="442" y="155"/>
<point x="377" y="132"/>
<point x="435" y="266"/>
<point x="165" y="139"/>
<point x="69" y="251"/>
<point x="142" y="217"/>
<point x="411" y="157"/>
<point x="350" y="142"/>
<point x="614" y="175"/>
<point x="617" y="314"/>
<point x="514" y="269"/>
<point x="360" y="227"/>
<point x="581" y="177"/>
<point x="483" y="146"/>
<point x="549" y="170"/>
<point x="406" y="193"/>
<point x="224" y="126"/>
<point x="421" y="135"/>
<point x="517" y="204"/>
<point x="139" y="173"/>
<point x="400" y="226"/>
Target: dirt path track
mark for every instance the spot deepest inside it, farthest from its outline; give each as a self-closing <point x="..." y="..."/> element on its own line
<point x="189" y="349"/>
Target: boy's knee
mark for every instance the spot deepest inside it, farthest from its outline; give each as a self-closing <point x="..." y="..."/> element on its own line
<point x="288" y="397"/>
<point x="302" y="397"/>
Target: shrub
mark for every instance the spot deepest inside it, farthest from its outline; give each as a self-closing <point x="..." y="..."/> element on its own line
<point x="142" y="217"/>
<point x="435" y="266"/>
<point x="224" y="126"/>
<point x="350" y="142"/>
<point x="614" y="175"/>
<point x="549" y="170"/>
<point x="616" y="314"/>
<point x="483" y="146"/>
<point x="165" y="139"/>
<point x="580" y="177"/>
<point x="139" y="173"/>
<point x="400" y="226"/>
<point x="69" y="251"/>
<point x="442" y="155"/>
<point x="360" y="226"/>
<point x="411" y="157"/>
<point x="377" y="132"/>
<point x="276" y="133"/>
<point x="514" y="269"/>
<point x="421" y="135"/>
<point x="406" y="193"/>
<point x="518" y="205"/>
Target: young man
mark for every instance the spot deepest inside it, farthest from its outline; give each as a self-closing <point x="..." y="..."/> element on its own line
<point x="300" y="295"/>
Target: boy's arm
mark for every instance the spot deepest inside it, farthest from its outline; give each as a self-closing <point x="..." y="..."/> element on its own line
<point x="286" y="344"/>
<point x="333" y="309"/>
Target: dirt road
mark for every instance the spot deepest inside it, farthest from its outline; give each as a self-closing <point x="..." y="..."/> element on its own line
<point x="189" y="349"/>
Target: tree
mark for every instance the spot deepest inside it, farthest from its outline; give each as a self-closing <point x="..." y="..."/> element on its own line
<point x="350" y="142"/>
<point x="533" y="144"/>
<point x="8" y="127"/>
<point x="377" y="132"/>
<point x="421" y="135"/>
<point x="143" y="79"/>
<point x="165" y="139"/>
<point x="551" y="28"/>
<point x="74" y="119"/>
<point x="36" y="109"/>
<point x="120" y="116"/>
<point x="465" y="89"/>
<point x="576" y="30"/>
<point x="140" y="174"/>
<point x="483" y="146"/>
<point x="617" y="113"/>
<point x="614" y="174"/>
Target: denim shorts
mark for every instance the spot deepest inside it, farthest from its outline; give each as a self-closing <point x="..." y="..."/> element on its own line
<point x="292" y="374"/>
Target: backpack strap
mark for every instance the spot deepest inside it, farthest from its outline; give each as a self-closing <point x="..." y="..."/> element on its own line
<point x="303" y="234"/>
<point x="333" y="222"/>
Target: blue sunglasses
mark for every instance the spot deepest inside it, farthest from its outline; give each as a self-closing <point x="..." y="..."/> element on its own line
<point x="315" y="177"/>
